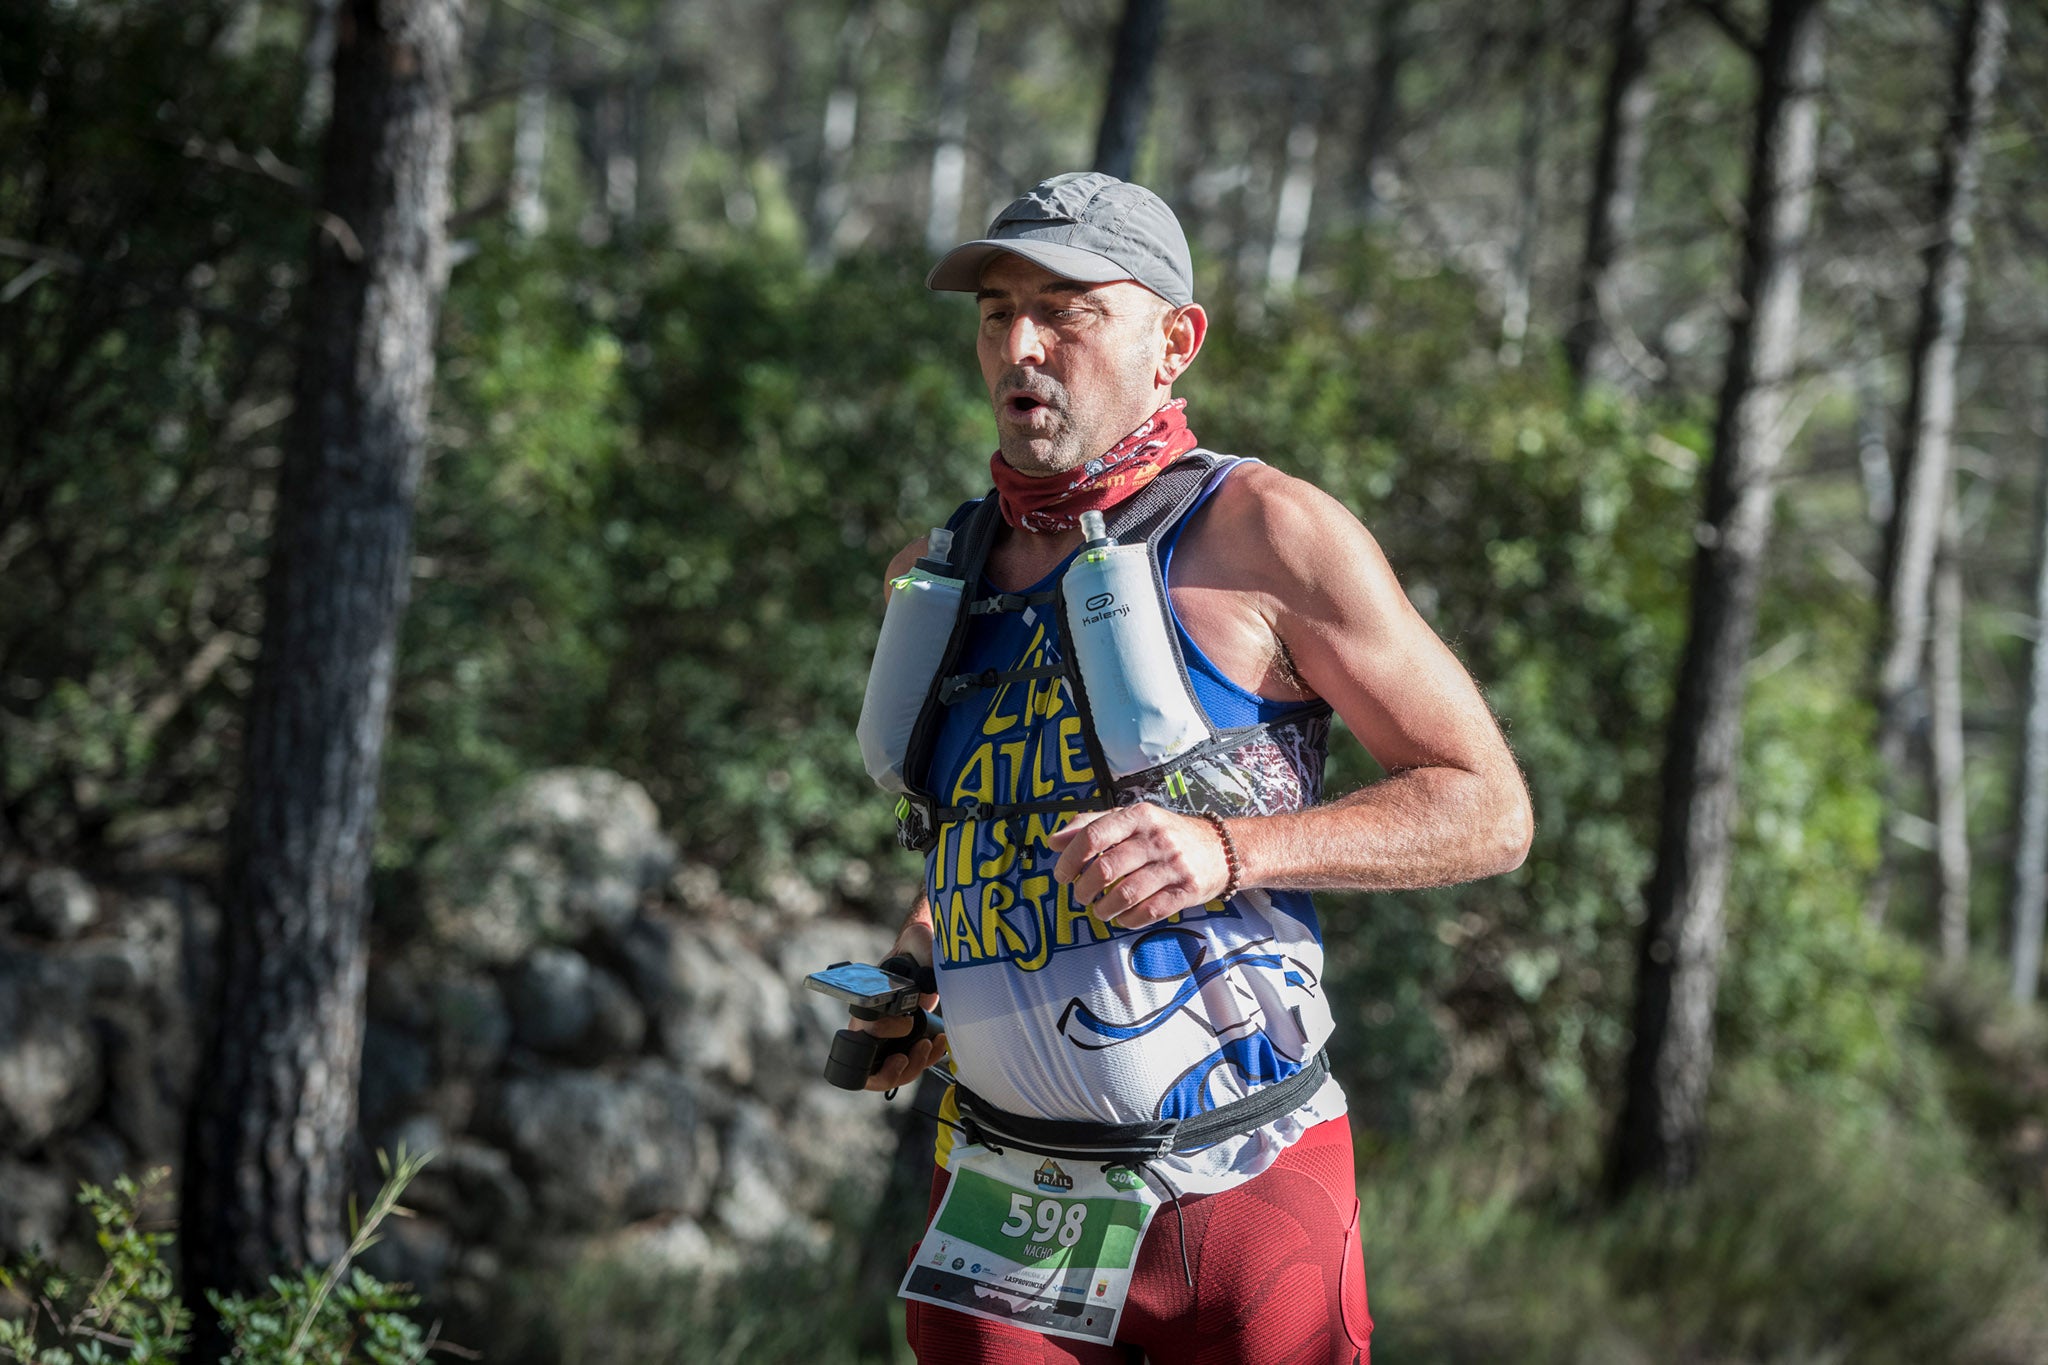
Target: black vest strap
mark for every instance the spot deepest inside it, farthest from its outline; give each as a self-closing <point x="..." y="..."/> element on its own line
<point x="1132" y="1143"/>
<point x="1142" y="517"/>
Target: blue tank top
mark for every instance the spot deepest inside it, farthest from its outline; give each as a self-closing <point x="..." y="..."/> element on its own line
<point x="1049" y="1011"/>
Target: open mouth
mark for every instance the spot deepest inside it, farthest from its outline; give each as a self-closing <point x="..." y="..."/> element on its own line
<point x="1023" y="403"/>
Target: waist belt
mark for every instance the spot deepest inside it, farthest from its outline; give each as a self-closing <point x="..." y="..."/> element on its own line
<point x="1132" y="1144"/>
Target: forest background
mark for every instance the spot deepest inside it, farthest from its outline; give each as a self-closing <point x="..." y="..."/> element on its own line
<point x="1549" y="294"/>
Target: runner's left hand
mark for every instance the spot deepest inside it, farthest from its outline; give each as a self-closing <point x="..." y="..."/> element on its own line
<point x="1136" y="865"/>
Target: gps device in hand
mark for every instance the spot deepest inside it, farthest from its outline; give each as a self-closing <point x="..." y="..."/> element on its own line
<point x="869" y="993"/>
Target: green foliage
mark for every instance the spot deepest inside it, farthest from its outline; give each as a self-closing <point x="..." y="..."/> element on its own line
<point x="129" y="1310"/>
<point x="657" y="535"/>
<point x="142" y="380"/>
<point x="1818" y="1232"/>
<point x="129" y="1305"/>
<point x="802" y="1299"/>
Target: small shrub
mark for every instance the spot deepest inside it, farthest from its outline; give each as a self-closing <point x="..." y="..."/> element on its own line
<point x="129" y="1310"/>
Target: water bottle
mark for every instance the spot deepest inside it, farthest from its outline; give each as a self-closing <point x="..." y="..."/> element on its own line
<point x="923" y="604"/>
<point x="1116" y="624"/>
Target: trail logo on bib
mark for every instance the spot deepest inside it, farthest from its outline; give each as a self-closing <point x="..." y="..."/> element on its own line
<point x="1051" y="1177"/>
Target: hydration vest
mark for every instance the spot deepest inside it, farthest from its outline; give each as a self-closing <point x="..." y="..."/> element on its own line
<point x="1146" y="732"/>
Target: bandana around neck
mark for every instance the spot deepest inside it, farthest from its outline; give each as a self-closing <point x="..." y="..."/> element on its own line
<point x="1055" y="504"/>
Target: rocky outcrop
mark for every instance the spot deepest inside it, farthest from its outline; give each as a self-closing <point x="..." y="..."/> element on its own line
<point x="602" y="1050"/>
<point x="565" y="853"/>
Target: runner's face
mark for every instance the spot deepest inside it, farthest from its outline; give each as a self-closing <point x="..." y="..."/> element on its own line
<point x="1071" y="368"/>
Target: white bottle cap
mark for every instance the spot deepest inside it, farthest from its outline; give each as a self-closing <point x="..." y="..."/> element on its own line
<point x="940" y="547"/>
<point x="1093" y="528"/>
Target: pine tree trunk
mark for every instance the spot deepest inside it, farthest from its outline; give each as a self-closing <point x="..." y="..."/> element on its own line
<point x="949" y="151"/>
<point x="1923" y="480"/>
<point x="1391" y="46"/>
<point x="1515" y="298"/>
<point x="317" y="101"/>
<point x="529" y="211"/>
<point x="1617" y="177"/>
<point x="1873" y="456"/>
<point x="1298" y="184"/>
<point x="266" y="1173"/>
<point x="835" y="141"/>
<point x="1129" y="101"/>
<point x="1663" y="1119"/>
<point x="2028" y="909"/>
<point x="1945" y="747"/>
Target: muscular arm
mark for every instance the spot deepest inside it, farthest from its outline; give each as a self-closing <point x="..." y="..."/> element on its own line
<point x="1277" y="570"/>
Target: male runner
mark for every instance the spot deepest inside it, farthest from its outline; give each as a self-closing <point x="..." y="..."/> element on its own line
<point x="1152" y="961"/>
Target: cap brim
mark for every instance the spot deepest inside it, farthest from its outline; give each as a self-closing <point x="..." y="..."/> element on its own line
<point x="959" y="270"/>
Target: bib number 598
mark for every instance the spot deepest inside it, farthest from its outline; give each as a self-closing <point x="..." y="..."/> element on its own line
<point x="1049" y="1219"/>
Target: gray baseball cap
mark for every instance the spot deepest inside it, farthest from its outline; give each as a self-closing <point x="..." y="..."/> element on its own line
<point x="1085" y="226"/>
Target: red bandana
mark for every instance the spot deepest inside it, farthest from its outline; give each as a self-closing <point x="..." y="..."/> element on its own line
<point x="1056" y="503"/>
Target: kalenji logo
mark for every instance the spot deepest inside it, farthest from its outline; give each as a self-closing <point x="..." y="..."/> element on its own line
<point x="1099" y="601"/>
<point x="1051" y="1177"/>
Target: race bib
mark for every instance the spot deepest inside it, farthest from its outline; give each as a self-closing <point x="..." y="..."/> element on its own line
<point x="1043" y="1244"/>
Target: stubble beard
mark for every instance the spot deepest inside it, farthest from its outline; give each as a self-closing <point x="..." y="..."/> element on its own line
<point x="1054" y="449"/>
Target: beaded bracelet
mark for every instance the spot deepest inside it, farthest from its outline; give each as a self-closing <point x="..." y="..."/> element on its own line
<point x="1235" y="884"/>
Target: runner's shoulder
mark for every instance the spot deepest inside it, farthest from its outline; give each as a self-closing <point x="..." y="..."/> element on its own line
<point x="1270" y="523"/>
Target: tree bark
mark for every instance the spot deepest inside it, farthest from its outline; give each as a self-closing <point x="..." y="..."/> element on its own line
<point x="1923" y="477"/>
<point x="318" y="98"/>
<point x="1298" y="183"/>
<point x="1617" y="178"/>
<point x="1873" y="455"/>
<point x="1945" y="746"/>
<point x="2028" y="910"/>
<point x="835" y="141"/>
<point x="949" y="151"/>
<point x="1129" y="100"/>
<point x="1391" y="47"/>
<point x="1662" y="1124"/>
<point x="266" y="1170"/>
<point x="529" y="210"/>
<point x="1515" y="298"/>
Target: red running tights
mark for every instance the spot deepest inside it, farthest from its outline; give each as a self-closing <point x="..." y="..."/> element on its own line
<point x="1279" y="1280"/>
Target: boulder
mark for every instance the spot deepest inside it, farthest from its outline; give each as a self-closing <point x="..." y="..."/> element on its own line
<point x="753" y="1204"/>
<point x="60" y="904"/>
<point x="471" y="1025"/>
<point x="398" y="1070"/>
<point x="37" y="1205"/>
<point x="565" y="853"/>
<point x="718" y="1009"/>
<point x="411" y="1251"/>
<point x="563" y="1005"/>
<point x="596" y="1148"/>
<point x="667" y="1246"/>
<point x="142" y="988"/>
<point x="471" y="1187"/>
<point x="50" y="1074"/>
<point x="838" y="1144"/>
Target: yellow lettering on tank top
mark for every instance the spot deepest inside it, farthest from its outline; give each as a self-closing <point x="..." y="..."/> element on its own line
<point x="996" y="897"/>
<point x="963" y="863"/>
<point x="978" y="777"/>
<point x="1075" y="765"/>
<point x="1002" y="862"/>
<point x="1067" y="914"/>
<point x="1013" y="754"/>
<point x="1038" y="829"/>
<point x="961" y="944"/>
<point x="1048" y="696"/>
